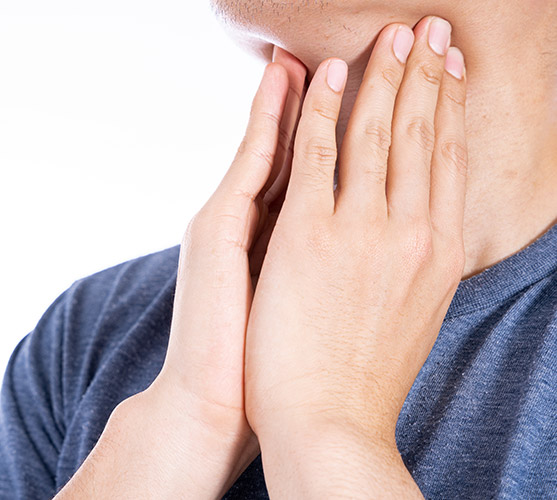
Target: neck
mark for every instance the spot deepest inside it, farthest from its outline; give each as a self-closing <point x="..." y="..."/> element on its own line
<point x="511" y="116"/>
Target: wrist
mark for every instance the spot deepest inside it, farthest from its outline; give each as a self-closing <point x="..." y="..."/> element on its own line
<point x="152" y="448"/>
<point x="329" y="460"/>
<point x="199" y="450"/>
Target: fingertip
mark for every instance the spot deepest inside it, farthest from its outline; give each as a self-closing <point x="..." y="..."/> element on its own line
<point x="454" y="63"/>
<point x="274" y="83"/>
<point x="422" y="25"/>
<point x="403" y="42"/>
<point x="297" y="71"/>
<point x="337" y="73"/>
<point x="290" y="61"/>
<point x="276" y="71"/>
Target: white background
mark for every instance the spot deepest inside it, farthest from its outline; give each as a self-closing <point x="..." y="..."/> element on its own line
<point x="118" y="118"/>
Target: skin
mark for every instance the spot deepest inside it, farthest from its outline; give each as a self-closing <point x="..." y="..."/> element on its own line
<point x="356" y="282"/>
<point x="511" y="117"/>
<point x="199" y="426"/>
<point x="297" y="275"/>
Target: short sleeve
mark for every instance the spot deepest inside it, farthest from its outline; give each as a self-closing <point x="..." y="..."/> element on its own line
<point x="31" y="410"/>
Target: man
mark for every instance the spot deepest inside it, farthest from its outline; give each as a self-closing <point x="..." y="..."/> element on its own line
<point x="479" y="419"/>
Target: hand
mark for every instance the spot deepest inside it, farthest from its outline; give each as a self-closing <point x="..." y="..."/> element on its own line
<point x="275" y="187"/>
<point x="356" y="282"/>
<point x="220" y="258"/>
<point x="187" y="435"/>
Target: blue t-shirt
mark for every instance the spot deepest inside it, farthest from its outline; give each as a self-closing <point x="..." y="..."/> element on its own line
<point x="480" y="420"/>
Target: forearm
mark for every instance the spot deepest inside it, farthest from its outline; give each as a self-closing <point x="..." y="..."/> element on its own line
<point x="324" y="462"/>
<point x="146" y="451"/>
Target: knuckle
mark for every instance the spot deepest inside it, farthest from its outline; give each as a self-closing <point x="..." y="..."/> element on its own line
<point x="430" y="73"/>
<point x="419" y="243"/>
<point x="213" y="231"/>
<point x="272" y="118"/>
<point x="219" y="228"/>
<point x="455" y="155"/>
<point x="453" y="262"/>
<point x="391" y="79"/>
<point x="315" y="177"/>
<point x="217" y="216"/>
<point x="195" y="231"/>
<point x="457" y="98"/>
<point x="247" y="196"/>
<point x="421" y="131"/>
<point x="194" y="224"/>
<point x="376" y="172"/>
<point x="319" y="152"/>
<point x="233" y="243"/>
<point x="379" y="135"/>
<point x="324" y="111"/>
<point x="259" y="154"/>
<point x="320" y="243"/>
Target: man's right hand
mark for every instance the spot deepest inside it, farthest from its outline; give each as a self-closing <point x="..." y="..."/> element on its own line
<point x="187" y="434"/>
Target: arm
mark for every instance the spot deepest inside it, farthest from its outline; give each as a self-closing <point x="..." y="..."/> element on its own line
<point x="154" y="446"/>
<point x="333" y="461"/>
<point x="187" y="434"/>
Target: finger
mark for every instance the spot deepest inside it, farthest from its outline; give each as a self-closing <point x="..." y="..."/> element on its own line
<point x="409" y="168"/>
<point x="281" y="168"/>
<point x="450" y="158"/>
<point x="365" y="147"/>
<point x="315" y="151"/>
<point x="278" y="189"/>
<point x="257" y="220"/>
<point x="281" y="182"/>
<point x="255" y="157"/>
<point x="260" y="244"/>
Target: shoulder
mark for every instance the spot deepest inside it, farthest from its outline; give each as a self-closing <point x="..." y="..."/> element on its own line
<point x="100" y="341"/>
<point x="128" y="287"/>
<point x="112" y="319"/>
<point x="133" y="280"/>
<point x="112" y="301"/>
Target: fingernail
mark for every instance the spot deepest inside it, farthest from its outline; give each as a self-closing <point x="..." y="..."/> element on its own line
<point x="336" y="74"/>
<point x="402" y="44"/>
<point x="454" y="63"/>
<point x="440" y="36"/>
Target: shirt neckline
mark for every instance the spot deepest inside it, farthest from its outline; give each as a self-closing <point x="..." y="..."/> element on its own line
<point x="508" y="276"/>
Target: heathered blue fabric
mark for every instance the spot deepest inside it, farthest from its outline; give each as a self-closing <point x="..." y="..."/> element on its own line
<point x="479" y="422"/>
